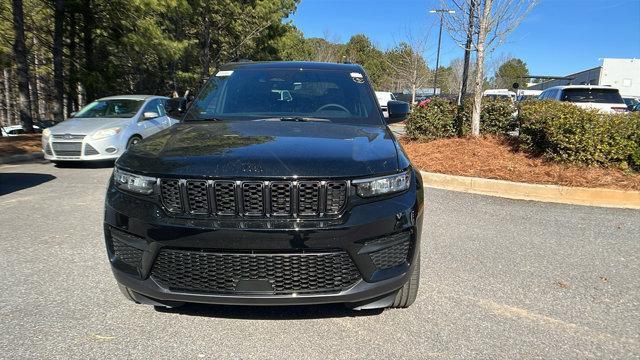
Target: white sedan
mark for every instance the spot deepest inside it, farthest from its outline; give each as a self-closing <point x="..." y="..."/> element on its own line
<point x="104" y="129"/>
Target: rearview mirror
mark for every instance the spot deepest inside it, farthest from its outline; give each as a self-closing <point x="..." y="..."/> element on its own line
<point x="397" y="110"/>
<point x="176" y="107"/>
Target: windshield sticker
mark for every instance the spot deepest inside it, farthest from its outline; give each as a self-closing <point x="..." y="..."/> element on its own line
<point x="224" y="73"/>
<point x="357" y="77"/>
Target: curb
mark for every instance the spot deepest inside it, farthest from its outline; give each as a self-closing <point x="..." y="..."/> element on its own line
<point x="534" y="192"/>
<point x="21" y="158"/>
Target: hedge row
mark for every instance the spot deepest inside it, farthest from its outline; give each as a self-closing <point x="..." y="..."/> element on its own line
<point x="441" y="118"/>
<point x="559" y="131"/>
<point x="567" y="133"/>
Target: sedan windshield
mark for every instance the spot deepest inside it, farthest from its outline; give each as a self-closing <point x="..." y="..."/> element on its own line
<point x="302" y="94"/>
<point x="113" y="108"/>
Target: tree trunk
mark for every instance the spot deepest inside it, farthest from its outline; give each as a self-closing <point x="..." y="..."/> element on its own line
<point x="3" y="120"/>
<point x="72" y="87"/>
<point x="467" y="52"/>
<point x="34" y="104"/>
<point x="7" y="96"/>
<point x="20" y="53"/>
<point x="58" y="71"/>
<point x="477" y="96"/>
<point x="206" y="48"/>
<point x="42" y="104"/>
<point x="88" y="26"/>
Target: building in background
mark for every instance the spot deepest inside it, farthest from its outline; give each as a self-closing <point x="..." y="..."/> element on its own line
<point x="623" y="74"/>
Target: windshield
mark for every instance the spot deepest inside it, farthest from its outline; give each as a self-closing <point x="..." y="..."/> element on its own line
<point x="117" y="108"/>
<point x="249" y="94"/>
<point x="600" y="96"/>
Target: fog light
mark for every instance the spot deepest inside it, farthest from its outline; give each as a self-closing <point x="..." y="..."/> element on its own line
<point x="110" y="150"/>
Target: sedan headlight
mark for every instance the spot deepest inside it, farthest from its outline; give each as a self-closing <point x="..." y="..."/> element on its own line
<point x="46" y="132"/>
<point x="134" y="183"/>
<point x="105" y="133"/>
<point x="383" y="185"/>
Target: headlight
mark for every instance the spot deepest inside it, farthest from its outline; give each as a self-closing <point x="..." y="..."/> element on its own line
<point x="383" y="185"/>
<point x="46" y="132"/>
<point x="104" y="133"/>
<point x="134" y="183"/>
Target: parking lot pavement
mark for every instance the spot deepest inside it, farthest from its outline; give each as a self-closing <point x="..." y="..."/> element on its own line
<point x="500" y="279"/>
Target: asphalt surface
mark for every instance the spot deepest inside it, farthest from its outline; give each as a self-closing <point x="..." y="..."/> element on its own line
<point x="500" y="279"/>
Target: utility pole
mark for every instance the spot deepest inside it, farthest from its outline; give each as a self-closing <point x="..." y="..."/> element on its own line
<point x="441" y="12"/>
<point x="467" y="52"/>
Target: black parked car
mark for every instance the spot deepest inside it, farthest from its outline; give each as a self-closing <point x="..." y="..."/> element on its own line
<point x="256" y="198"/>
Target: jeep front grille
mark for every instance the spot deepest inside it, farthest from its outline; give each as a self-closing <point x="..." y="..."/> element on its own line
<point x="254" y="198"/>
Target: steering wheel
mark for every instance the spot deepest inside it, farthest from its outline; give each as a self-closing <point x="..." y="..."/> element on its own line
<point x="323" y="107"/>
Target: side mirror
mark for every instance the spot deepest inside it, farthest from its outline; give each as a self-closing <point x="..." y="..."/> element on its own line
<point x="176" y="107"/>
<point x="398" y="111"/>
<point x="150" y="115"/>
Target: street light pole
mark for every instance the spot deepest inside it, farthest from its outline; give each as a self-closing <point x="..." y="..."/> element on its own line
<point x="441" y="12"/>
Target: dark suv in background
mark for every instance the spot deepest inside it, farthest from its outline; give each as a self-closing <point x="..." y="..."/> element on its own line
<point x="281" y="185"/>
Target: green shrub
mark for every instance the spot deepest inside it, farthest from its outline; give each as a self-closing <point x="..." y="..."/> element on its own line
<point x="496" y="116"/>
<point x="565" y="132"/>
<point x="432" y="122"/>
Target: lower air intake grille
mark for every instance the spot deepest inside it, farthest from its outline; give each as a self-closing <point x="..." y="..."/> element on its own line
<point x="391" y="256"/>
<point x="127" y="254"/>
<point x="220" y="273"/>
<point x="90" y="150"/>
<point x="67" y="148"/>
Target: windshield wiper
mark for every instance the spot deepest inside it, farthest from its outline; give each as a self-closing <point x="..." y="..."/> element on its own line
<point x="295" y="119"/>
<point x="204" y="119"/>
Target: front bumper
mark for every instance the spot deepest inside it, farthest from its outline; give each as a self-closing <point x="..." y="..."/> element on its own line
<point x="82" y="148"/>
<point x="360" y="231"/>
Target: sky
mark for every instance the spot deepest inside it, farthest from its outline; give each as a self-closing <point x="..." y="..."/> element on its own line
<point x="558" y="37"/>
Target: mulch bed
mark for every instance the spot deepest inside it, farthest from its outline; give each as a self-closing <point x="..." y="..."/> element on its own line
<point x="23" y="144"/>
<point x="495" y="158"/>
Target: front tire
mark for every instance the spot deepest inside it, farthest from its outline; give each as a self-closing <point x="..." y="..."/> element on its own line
<point x="408" y="293"/>
<point x="133" y="141"/>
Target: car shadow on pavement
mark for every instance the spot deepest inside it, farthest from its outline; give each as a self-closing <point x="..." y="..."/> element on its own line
<point x="85" y="164"/>
<point x="299" y="312"/>
<point x="11" y="182"/>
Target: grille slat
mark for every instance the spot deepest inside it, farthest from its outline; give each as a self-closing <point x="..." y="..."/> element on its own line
<point x="254" y="198"/>
<point x="198" y="196"/>
<point x="170" y="190"/>
<point x="281" y="198"/>
<point x="308" y="197"/>
<point x="220" y="273"/>
<point x="336" y="196"/>
<point x="225" y="192"/>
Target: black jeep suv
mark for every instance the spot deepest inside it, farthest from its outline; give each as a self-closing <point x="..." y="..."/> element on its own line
<point x="281" y="185"/>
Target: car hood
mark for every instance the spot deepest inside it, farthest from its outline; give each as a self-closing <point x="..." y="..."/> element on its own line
<point x="85" y="126"/>
<point x="246" y="149"/>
